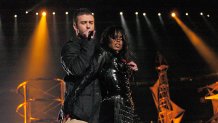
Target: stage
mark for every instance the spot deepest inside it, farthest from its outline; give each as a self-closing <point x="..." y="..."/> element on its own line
<point x="188" y="42"/>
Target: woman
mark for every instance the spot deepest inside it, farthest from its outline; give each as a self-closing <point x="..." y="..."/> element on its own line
<point x="114" y="74"/>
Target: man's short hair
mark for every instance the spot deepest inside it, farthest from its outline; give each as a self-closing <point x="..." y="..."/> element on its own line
<point x="80" y="11"/>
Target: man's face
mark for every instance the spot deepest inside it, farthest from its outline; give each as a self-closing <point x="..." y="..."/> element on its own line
<point x="84" y="23"/>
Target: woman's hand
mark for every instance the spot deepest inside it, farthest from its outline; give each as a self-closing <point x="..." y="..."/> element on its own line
<point x="133" y="66"/>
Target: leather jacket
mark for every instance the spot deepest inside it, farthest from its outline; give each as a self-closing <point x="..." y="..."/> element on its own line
<point x="77" y="61"/>
<point x="117" y="105"/>
<point x="114" y="75"/>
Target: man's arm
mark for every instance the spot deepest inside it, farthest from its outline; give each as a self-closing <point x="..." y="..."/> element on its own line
<point x="76" y="56"/>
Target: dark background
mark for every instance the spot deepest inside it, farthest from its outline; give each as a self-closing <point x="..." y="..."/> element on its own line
<point x="187" y="69"/>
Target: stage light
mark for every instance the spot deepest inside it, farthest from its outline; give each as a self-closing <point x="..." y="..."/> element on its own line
<point x="144" y="14"/>
<point x="66" y="13"/>
<point x="136" y="13"/>
<point x="37" y="13"/>
<point x="93" y="13"/>
<point x="208" y="15"/>
<point x="53" y="13"/>
<point x="201" y="13"/>
<point x="27" y="12"/>
<point x="43" y="13"/>
<point x="173" y="14"/>
<point x="186" y="14"/>
<point x="37" y="46"/>
<point x="159" y="14"/>
<point x="15" y="16"/>
<point x="205" y="51"/>
<point x="126" y="28"/>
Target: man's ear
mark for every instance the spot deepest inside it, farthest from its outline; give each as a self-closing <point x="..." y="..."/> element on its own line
<point x="75" y="28"/>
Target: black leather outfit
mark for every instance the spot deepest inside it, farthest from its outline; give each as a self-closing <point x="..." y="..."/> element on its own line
<point x="117" y="105"/>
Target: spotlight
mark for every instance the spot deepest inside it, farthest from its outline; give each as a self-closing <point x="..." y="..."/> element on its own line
<point x="144" y="14"/>
<point x="136" y="13"/>
<point x="66" y="13"/>
<point x="208" y="15"/>
<point x="37" y="13"/>
<point x="93" y="14"/>
<point x="121" y="13"/>
<point x="43" y="13"/>
<point x="159" y="14"/>
<point x="53" y="13"/>
<point x="27" y="12"/>
<point x="173" y="14"/>
<point x="15" y="16"/>
<point x="186" y="14"/>
<point x="201" y="13"/>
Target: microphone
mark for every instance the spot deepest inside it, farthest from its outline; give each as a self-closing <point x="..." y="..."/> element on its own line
<point x="84" y="36"/>
<point x="91" y="35"/>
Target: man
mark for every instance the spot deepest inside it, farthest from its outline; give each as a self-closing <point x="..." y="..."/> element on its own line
<point x="76" y="59"/>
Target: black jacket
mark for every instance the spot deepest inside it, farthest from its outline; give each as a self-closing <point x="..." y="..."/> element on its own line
<point x="77" y="60"/>
<point x="117" y="105"/>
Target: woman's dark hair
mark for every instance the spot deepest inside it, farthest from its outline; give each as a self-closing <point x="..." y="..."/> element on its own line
<point x="111" y="32"/>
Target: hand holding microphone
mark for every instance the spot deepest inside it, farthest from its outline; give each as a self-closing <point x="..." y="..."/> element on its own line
<point x="88" y="34"/>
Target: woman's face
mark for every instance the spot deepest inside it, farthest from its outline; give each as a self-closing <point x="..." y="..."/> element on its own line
<point x="117" y="43"/>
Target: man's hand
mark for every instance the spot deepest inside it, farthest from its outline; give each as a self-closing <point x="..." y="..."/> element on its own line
<point x="88" y="34"/>
<point x="133" y="66"/>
